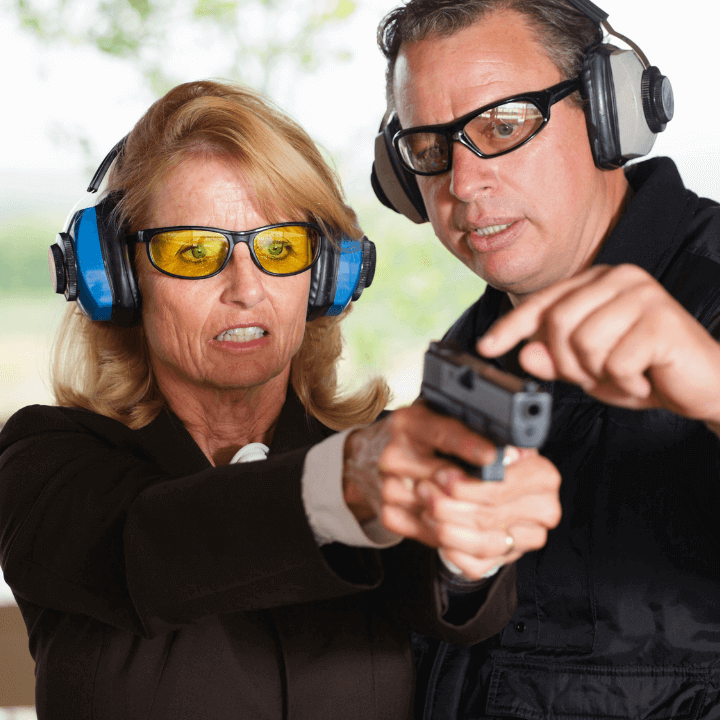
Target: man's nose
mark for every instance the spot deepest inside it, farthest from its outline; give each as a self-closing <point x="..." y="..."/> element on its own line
<point x="242" y="279"/>
<point x="471" y="175"/>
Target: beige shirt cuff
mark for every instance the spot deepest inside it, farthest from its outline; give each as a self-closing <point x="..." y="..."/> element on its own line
<point x="330" y="518"/>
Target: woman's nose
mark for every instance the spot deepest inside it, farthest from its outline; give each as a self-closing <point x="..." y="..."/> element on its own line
<point x="242" y="280"/>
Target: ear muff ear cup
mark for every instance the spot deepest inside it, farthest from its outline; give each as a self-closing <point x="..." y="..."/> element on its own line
<point x="394" y="186"/>
<point x="601" y="112"/>
<point x="120" y="268"/>
<point x="90" y="265"/>
<point x="323" y="280"/>
<point x="340" y="275"/>
<point x="628" y="104"/>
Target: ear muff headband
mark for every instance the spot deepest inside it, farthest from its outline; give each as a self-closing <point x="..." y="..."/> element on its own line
<point x="628" y="103"/>
<point x="105" y="165"/>
<point x="590" y="10"/>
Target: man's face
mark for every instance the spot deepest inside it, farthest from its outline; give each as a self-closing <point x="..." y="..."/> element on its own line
<point x="556" y="204"/>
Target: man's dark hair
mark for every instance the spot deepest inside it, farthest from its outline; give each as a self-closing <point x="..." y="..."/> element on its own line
<point x="563" y="31"/>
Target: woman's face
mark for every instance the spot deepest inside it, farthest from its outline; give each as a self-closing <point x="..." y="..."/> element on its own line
<point x="185" y="319"/>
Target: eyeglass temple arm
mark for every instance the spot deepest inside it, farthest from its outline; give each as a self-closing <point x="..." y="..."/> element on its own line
<point x="564" y="89"/>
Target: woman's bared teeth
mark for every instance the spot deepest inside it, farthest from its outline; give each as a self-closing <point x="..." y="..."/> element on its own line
<point x="240" y="335"/>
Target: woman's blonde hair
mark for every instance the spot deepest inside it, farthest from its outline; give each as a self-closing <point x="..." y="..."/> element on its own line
<point x="105" y="368"/>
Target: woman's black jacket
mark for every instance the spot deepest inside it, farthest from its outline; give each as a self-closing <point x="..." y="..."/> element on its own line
<point x="155" y="586"/>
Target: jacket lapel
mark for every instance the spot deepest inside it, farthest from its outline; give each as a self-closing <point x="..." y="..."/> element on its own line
<point x="645" y="237"/>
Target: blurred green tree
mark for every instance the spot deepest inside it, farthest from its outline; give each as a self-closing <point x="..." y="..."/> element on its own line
<point x="257" y="42"/>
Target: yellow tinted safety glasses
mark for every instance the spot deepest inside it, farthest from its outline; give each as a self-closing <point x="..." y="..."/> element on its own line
<point x="200" y="252"/>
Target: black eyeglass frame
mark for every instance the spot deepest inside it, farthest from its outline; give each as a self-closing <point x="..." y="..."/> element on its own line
<point x="543" y="100"/>
<point x="233" y="237"/>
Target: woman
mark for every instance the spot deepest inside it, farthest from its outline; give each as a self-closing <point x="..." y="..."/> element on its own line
<point x="159" y="578"/>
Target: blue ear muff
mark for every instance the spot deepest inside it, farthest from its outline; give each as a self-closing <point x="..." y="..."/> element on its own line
<point x="94" y="294"/>
<point x="89" y="263"/>
<point x="340" y="275"/>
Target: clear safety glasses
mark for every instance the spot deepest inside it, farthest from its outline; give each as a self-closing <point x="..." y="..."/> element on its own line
<point x="490" y="131"/>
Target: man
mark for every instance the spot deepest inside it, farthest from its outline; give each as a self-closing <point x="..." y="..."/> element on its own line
<point x="606" y="285"/>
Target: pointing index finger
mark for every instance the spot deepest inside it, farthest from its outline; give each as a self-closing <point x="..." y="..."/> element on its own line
<point x="525" y="320"/>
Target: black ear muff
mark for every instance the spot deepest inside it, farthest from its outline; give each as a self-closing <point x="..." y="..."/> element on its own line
<point x="628" y="101"/>
<point x="323" y="280"/>
<point x="120" y="267"/>
<point x="394" y="186"/>
<point x="601" y="112"/>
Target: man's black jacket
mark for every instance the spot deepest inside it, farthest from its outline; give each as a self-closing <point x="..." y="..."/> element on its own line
<point x="619" y="615"/>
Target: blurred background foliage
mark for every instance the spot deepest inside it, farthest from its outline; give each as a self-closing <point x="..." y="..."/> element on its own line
<point x="249" y="40"/>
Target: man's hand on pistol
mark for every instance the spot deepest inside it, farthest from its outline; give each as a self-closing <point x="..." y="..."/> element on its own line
<point x="392" y="471"/>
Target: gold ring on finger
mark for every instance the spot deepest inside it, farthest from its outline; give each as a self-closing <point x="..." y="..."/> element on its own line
<point x="509" y="543"/>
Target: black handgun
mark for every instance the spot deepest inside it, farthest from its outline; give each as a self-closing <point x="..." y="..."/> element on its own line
<point x="495" y="404"/>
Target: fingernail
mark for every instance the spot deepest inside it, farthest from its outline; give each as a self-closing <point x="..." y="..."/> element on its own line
<point x="512" y="455"/>
<point x="484" y="456"/>
<point x="487" y="341"/>
<point x="446" y="477"/>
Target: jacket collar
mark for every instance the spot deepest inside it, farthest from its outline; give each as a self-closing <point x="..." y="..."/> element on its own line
<point x="644" y="236"/>
<point x="167" y="443"/>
